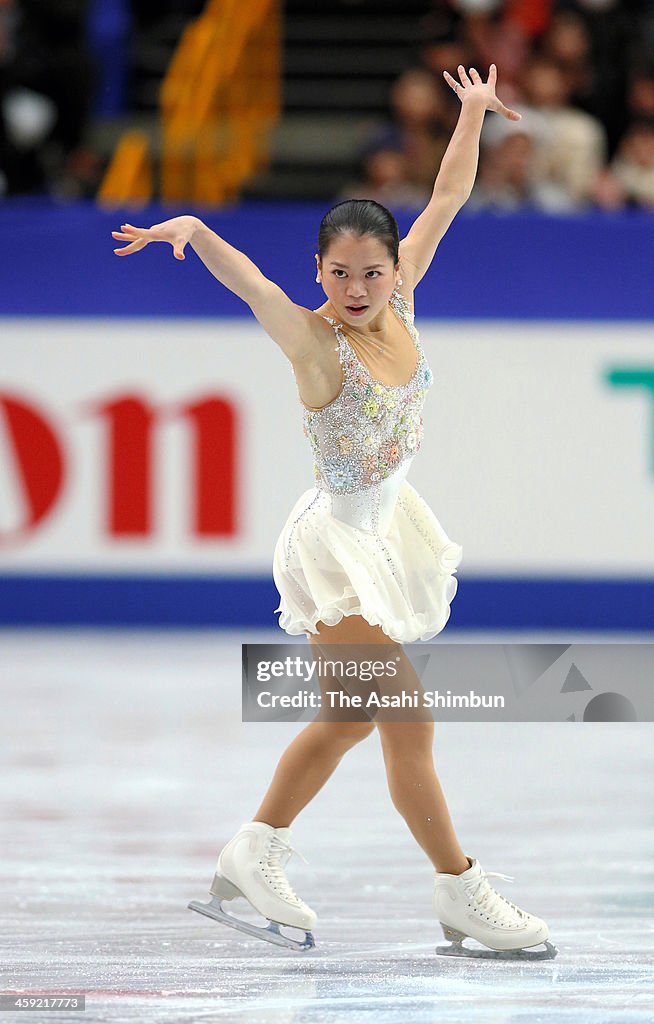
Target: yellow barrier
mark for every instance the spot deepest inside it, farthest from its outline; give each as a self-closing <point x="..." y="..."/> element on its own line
<point x="219" y="100"/>
<point x="128" y="179"/>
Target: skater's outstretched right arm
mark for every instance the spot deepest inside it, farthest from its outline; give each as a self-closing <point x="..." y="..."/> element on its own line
<point x="292" y="327"/>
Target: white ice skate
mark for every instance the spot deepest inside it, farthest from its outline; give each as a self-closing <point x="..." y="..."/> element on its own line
<point x="468" y="907"/>
<point x="252" y="865"/>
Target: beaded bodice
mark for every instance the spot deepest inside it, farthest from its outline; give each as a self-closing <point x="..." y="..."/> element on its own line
<point x="369" y="433"/>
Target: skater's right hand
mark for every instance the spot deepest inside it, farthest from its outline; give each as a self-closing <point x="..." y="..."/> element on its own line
<point x="177" y="231"/>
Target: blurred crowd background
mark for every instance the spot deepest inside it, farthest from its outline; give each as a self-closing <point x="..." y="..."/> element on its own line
<point x="365" y="108"/>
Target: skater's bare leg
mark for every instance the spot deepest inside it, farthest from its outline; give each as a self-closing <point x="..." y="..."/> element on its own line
<point x="408" y="750"/>
<point x="414" y="787"/>
<point x="312" y="757"/>
<point x="305" y="766"/>
<point x="417" y="794"/>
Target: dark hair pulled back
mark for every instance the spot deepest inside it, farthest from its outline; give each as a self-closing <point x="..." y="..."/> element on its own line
<point x="360" y="217"/>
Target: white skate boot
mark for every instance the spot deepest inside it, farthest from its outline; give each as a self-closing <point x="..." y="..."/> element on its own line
<point x="468" y="907"/>
<point x="252" y="865"/>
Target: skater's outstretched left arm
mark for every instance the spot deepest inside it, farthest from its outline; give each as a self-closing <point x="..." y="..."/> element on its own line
<point x="457" y="172"/>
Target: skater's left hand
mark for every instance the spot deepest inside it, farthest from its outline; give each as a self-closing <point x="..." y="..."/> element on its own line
<point x="476" y="91"/>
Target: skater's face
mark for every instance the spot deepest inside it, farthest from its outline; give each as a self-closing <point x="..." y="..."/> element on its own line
<point x="358" y="275"/>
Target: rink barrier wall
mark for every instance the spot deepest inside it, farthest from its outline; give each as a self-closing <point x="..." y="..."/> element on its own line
<point x="491" y="265"/>
<point x="245" y="602"/>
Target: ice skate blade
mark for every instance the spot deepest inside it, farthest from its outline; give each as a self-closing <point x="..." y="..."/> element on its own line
<point x="271" y="933"/>
<point x="458" y="949"/>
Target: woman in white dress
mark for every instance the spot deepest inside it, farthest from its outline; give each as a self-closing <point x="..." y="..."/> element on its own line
<point x="362" y="559"/>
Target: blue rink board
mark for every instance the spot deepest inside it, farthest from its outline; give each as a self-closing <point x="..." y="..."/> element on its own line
<point x="525" y="265"/>
<point x="234" y="602"/>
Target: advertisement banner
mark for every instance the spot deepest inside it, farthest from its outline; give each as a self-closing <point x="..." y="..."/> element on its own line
<point x="158" y="446"/>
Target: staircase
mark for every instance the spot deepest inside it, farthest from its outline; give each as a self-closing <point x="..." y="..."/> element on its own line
<point x="153" y="45"/>
<point x="340" y="60"/>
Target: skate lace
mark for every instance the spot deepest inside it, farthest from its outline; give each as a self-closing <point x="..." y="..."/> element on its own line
<point x="276" y="850"/>
<point x="491" y="902"/>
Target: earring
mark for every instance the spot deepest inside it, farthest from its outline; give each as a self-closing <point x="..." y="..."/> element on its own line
<point x="317" y="278"/>
<point x="400" y="281"/>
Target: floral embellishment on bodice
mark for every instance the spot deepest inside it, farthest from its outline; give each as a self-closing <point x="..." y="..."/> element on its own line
<point x="370" y="428"/>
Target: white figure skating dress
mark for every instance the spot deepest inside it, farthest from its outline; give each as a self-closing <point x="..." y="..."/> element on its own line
<point x="363" y="541"/>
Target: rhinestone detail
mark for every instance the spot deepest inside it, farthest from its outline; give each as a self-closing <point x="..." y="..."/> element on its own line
<point x="362" y="437"/>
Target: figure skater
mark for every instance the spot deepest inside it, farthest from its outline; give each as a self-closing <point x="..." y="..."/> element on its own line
<point x="362" y="559"/>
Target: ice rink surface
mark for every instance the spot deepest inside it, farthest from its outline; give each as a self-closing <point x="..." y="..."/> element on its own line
<point x="126" y="768"/>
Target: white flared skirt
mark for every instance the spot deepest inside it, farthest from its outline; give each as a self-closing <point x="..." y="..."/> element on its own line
<point x="401" y="579"/>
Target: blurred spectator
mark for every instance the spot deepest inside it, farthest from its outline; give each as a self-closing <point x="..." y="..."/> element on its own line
<point x="571" y="146"/>
<point x="480" y="32"/>
<point x="508" y="177"/>
<point x="420" y="127"/>
<point x="26" y="116"/>
<point x="640" y="92"/>
<point x="47" y="86"/>
<point x="613" y="27"/>
<point x="385" y="178"/>
<point x="439" y="55"/>
<point x="443" y="48"/>
<point x="416" y="102"/>
<point x="51" y="58"/>
<point x="568" y="43"/>
<point x="504" y="36"/>
<point x="633" y="166"/>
